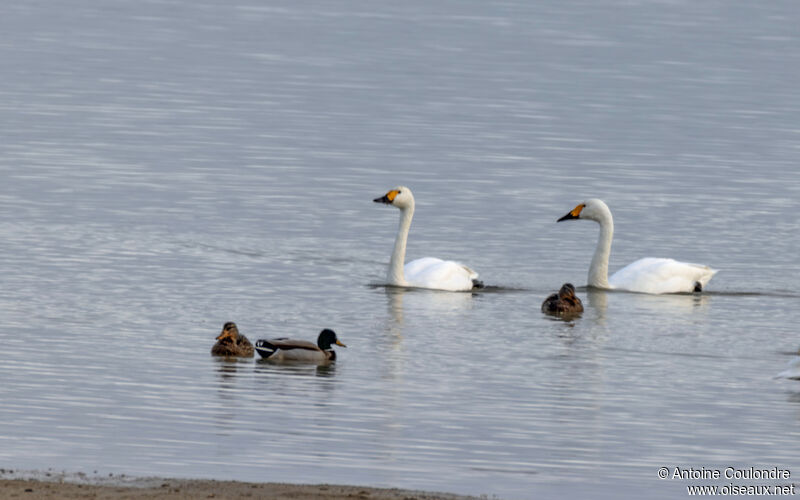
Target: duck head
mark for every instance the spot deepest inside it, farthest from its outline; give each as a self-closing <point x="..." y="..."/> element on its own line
<point x="229" y="331"/>
<point x="327" y="338"/>
<point x="567" y="291"/>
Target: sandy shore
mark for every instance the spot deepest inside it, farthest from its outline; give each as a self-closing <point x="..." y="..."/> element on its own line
<point x="184" y="489"/>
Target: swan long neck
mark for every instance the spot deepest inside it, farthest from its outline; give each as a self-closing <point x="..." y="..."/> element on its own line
<point x="598" y="271"/>
<point x="395" y="275"/>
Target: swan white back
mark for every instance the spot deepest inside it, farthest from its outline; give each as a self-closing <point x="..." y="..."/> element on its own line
<point x="648" y="275"/>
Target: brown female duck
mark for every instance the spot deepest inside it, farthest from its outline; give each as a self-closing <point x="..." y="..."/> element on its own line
<point x="563" y="303"/>
<point x="232" y="343"/>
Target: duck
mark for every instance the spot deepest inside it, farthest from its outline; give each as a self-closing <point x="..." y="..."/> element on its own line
<point x="286" y="349"/>
<point x="563" y="303"/>
<point x="232" y="343"/>
<point x="648" y="275"/>
<point x="427" y="272"/>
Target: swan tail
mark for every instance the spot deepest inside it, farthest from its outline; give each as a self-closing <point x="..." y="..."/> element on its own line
<point x="702" y="276"/>
<point x="702" y="281"/>
<point x="471" y="272"/>
<point x="473" y="276"/>
<point x="791" y="374"/>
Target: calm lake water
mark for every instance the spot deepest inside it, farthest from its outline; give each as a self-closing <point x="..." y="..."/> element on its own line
<point x="170" y="165"/>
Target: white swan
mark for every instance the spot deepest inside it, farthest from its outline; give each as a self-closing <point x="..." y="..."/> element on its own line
<point x="648" y="275"/>
<point x="427" y="272"/>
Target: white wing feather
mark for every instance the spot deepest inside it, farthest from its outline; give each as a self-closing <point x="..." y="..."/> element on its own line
<point x="430" y="272"/>
<point x="655" y="275"/>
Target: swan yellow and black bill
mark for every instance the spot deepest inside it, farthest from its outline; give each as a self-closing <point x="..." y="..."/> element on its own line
<point x="339" y="343"/>
<point x="575" y="213"/>
<point x="388" y="198"/>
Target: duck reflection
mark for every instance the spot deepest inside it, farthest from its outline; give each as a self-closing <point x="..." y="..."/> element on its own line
<point x="296" y="385"/>
<point x="296" y="368"/>
<point x="227" y="370"/>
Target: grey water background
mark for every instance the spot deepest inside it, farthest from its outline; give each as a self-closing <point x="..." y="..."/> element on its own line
<point x="167" y="166"/>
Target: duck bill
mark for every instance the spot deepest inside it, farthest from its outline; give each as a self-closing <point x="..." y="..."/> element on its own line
<point x="575" y="213"/>
<point x="339" y="343"/>
<point x="226" y="334"/>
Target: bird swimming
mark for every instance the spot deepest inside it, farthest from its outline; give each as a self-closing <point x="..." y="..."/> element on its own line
<point x="427" y="272"/>
<point x="286" y="349"/>
<point x="648" y="275"/>
<point x="565" y="302"/>
<point x="232" y="343"/>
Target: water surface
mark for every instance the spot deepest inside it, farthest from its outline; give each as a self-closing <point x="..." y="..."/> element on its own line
<point x="169" y="166"/>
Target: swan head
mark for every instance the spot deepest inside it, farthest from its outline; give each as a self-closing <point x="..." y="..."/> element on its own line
<point x="327" y="337"/>
<point x="592" y="209"/>
<point x="400" y="197"/>
<point x="229" y="331"/>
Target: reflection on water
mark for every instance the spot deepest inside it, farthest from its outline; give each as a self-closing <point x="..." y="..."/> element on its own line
<point x="225" y="415"/>
<point x="404" y="301"/>
<point x="295" y="387"/>
<point x="673" y="303"/>
<point x="269" y="367"/>
<point x="794" y="397"/>
<point x="227" y="369"/>
<point x="598" y="302"/>
<point x="147" y="199"/>
<point x="791" y="370"/>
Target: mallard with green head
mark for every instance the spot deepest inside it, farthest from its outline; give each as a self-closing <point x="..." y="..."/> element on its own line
<point x="232" y="343"/>
<point x="285" y="349"/>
